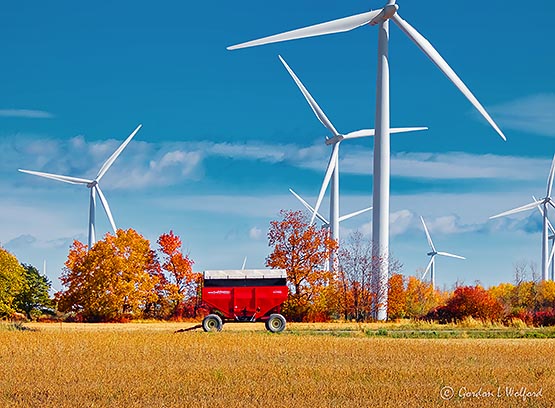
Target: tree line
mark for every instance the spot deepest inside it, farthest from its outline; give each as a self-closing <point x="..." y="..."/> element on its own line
<point x="123" y="278"/>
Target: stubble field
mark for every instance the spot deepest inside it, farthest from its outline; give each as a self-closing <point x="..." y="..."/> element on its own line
<point x="148" y="365"/>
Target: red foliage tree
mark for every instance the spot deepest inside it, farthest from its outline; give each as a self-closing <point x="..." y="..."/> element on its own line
<point x="302" y="250"/>
<point x="469" y="301"/>
<point x="181" y="282"/>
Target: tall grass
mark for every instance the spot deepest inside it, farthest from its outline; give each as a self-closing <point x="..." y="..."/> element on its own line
<point x="144" y="365"/>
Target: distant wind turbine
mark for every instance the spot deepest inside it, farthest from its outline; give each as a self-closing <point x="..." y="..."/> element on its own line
<point x="324" y="221"/>
<point x="332" y="171"/>
<point x="93" y="185"/>
<point x="381" y="17"/>
<point x="544" y="202"/>
<point x="551" y="237"/>
<point x="432" y="255"/>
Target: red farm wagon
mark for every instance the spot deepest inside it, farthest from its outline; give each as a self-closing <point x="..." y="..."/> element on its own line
<point x="244" y="296"/>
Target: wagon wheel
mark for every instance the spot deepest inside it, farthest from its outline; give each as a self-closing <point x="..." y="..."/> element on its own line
<point x="276" y="323"/>
<point x="212" y="322"/>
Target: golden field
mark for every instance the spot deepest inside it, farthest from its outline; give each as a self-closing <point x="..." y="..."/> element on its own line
<point x="336" y="365"/>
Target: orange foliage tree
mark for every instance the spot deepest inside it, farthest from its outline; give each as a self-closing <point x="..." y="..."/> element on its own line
<point x="181" y="283"/>
<point x="396" y="297"/>
<point x="114" y="281"/>
<point x="302" y="250"/>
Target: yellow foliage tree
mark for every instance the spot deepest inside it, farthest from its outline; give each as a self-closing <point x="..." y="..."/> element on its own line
<point x="11" y="281"/>
<point x="420" y="298"/>
<point x="113" y="281"/>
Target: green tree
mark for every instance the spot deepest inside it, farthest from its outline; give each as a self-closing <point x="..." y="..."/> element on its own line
<point x="11" y="281"/>
<point x="33" y="298"/>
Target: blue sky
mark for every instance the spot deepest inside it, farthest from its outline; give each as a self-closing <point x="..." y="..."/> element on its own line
<point x="225" y="134"/>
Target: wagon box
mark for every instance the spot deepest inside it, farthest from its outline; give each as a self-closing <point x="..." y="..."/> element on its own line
<point x="245" y="296"/>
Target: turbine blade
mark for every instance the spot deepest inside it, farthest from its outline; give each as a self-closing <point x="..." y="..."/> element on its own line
<point x="354" y="214"/>
<point x="360" y="133"/>
<point x="329" y="172"/>
<point x="407" y="129"/>
<point x="65" y="179"/>
<point x="550" y="178"/>
<point x="115" y="155"/>
<point x="428" y="267"/>
<point x="309" y="207"/>
<point x="428" y="235"/>
<point x="106" y="208"/>
<point x="244" y="264"/>
<point x="315" y="108"/>
<point x="438" y="60"/>
<point x="517" y="210"/>
<point x="371" y="132"/>
<point x="551" y="256"/>
<point x="451" y="255"/>
<point x="330" y="27"/>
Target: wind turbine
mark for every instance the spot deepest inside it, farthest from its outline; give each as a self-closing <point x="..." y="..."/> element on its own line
<point x="332" y="171"/>
<point x="544" y="202"/>
<point x="93" y="185"/>
<point x="551" y="260"/>
<point x="381" y="17"/>
<point x="432" y="255"/>
<point x="325" y="222"/>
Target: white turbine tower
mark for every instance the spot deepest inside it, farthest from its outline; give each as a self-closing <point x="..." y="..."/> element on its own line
<point x="432" y="255"/>
<point x="94" y="187"/>
<point x="544" y="202"/>
<point x="332" y="171"/>
<point x="381" y="17"/>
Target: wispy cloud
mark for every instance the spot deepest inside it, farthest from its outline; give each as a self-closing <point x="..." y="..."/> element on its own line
<point x="25" y="113"/>
<point x="533" y="114"/>
<point x="145" y="164"/>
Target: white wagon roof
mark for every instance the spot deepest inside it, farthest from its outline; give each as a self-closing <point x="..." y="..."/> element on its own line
<point x="246" y="274"/>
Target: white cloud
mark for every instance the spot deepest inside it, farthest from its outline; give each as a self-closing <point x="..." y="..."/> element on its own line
<point x="255" y="233"/>
<point x="533" y="114"/>
<point x="450" y="166"/>
<point x="144" y="165"/>
<point x="25" y="113"/>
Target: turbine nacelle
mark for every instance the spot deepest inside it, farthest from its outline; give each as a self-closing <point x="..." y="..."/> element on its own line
<point x="333" y="140"/>
<point x="386" y="13"/>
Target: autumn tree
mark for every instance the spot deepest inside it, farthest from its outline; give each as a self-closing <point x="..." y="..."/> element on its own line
<point x="302" y="250"/>
<point x="180" y="283"/>
<point x="469" y="301"/>
<point x="11" y="282"/>
<point x="33" y="298"/>
<point x="396" y="297"/>
<point x="112" y="281"/>
<point x="420" y="298"/>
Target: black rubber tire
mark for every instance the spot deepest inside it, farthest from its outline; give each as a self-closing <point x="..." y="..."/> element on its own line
<point x="275" y="323"/>
<point x="212" y="323"/>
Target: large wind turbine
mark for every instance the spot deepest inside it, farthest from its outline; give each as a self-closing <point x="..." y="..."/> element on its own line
<point x="544" y="202"/>
<point x="432" y="255"/>
<point x="381" y="17"/>
<point x="332" y="171"/>
<point x="94" y="187"/>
